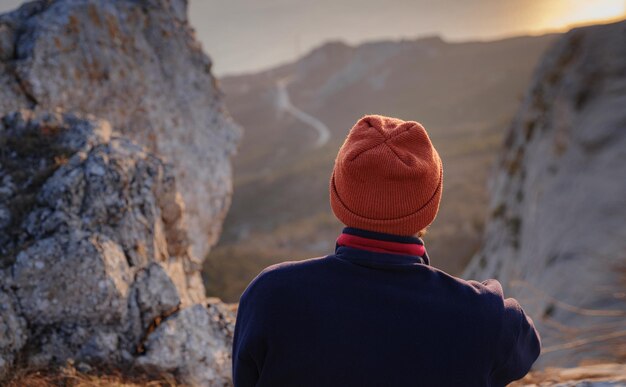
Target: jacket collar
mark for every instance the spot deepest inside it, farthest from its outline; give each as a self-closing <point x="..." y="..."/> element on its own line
<point x="379" y="249"/>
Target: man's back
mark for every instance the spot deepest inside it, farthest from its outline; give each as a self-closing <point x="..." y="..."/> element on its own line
<point x="369" y="318"/>
<point x="375" y="313"/>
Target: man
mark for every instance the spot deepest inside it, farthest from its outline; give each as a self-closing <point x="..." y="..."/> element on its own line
<point x="375" y="313"/>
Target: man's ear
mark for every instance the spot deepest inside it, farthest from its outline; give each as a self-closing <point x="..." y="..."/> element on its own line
<point x="422" y="232"/>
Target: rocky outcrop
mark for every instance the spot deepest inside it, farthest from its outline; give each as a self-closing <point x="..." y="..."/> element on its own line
<point x="95" y="261"/>
<point x="138" y="66"/>
<point x="556" y="235"/>
<point x="114" y="179"/>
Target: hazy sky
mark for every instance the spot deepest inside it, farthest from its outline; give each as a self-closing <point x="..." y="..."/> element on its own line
<point x="247" y="35"/>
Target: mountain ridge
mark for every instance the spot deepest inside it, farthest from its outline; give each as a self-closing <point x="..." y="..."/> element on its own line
<point x="342" y="44"/>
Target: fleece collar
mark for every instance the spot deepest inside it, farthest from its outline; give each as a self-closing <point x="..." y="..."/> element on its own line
<point x="380" y="249"/>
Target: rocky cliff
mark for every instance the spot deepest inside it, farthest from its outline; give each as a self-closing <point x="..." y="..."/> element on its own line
<point x="556" y="236"/>
<point x="114" y="178"/>
<point x="137" y="65"/>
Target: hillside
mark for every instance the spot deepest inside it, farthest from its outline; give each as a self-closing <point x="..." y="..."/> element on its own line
<point x="297" y="115"/>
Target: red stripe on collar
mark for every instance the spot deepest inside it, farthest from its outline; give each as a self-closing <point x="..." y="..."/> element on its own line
<point x="380" y="246"/>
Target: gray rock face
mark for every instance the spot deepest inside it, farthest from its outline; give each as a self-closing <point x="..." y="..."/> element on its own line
<point x="97" y="245"/>
<point x="556" y="237"/>
<point x="90" y="280"/>
<point x="94" y="254"/>
<point x="192" y="341"/>
<point x="137" y="65"/>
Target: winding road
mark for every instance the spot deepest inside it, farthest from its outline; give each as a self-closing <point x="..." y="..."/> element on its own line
<point x="284" y="104"/>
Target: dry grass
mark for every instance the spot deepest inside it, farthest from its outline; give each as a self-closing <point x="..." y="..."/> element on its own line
<point x="69" y="376"/>
<point x="550" y="376"/>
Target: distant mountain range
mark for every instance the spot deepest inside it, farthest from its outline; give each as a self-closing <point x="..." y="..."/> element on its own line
<point x="296" y="117"/>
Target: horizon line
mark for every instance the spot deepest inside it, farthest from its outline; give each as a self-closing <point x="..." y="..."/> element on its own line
<point x="477" y="39"/>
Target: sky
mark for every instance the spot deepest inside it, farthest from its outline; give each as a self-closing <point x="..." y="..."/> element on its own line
<point x="249" y="35"/>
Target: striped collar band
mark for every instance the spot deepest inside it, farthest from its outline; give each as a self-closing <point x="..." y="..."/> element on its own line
<point x="382" y="243"/>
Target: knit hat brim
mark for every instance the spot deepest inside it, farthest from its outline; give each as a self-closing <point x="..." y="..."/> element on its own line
<point x="410" y="224"/>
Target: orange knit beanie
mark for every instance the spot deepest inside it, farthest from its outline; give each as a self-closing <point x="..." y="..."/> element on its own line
<point x="387" y="178"/>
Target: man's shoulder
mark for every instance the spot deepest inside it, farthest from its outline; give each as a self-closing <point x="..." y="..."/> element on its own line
<point x="489" y="291"/>
<point x="280" y="276"/>
<point x="283" y="268"/>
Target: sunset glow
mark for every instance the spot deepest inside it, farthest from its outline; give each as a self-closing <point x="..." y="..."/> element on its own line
<point x="234" y="31"/>
<point x="551" y="15"/>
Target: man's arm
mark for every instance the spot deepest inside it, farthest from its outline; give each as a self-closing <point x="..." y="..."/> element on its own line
<point x="519" y="347"/>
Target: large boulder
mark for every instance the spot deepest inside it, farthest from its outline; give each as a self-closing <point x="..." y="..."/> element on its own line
<point x="137" y="65"/>
<point x="556" y="236"/>
<point x="102" y="232"/>
<point x="95" y="262"/>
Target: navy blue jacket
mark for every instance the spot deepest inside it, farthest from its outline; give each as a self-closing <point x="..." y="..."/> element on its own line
<point x="370" y="318"/>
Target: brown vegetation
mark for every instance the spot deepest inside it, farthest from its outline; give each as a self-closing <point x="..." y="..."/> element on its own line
<point x="589" y="373"/>
<point x="71" y="376"/>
